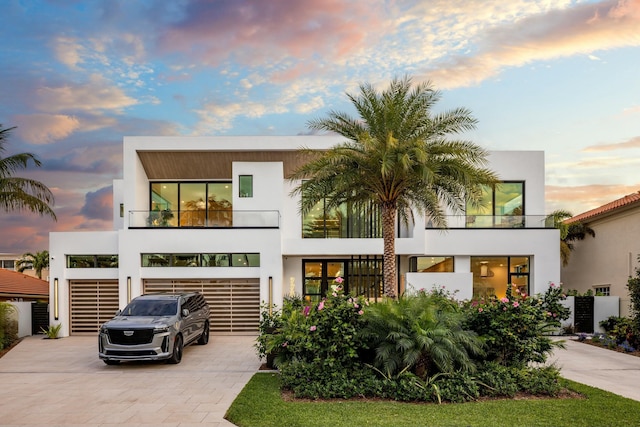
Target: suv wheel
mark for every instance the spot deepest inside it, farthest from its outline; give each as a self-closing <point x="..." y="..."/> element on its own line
<point x="204" y="338"/>
<point x="178" y="346"/>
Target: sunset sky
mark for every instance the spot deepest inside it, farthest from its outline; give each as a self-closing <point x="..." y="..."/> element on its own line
<point x="77" y="76"/>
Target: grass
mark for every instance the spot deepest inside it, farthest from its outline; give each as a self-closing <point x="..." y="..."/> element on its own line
<point x="260" y="404"/>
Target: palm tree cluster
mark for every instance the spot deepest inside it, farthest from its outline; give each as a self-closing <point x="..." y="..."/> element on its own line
<point x="398" y="156"/>
<point x="21" y="194"/>
<point x="38" y="262"/>
<point x="570" y="231"/>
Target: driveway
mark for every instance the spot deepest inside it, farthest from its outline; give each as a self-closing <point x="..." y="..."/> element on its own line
<point x="605" y="369"/>
<point x="63" y="383"/>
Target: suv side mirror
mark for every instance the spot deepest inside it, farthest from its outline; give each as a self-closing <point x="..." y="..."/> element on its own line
<point x="185" y="312"/>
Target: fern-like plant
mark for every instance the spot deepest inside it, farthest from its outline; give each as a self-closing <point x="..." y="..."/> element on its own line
<point x="421" y="333"/>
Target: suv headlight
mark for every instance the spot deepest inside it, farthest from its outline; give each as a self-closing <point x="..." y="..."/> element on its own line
<point x="160" y="329"/>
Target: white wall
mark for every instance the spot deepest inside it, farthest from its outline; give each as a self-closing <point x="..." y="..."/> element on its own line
<point x="460" y="284"/>
<point x="23" y="316"/>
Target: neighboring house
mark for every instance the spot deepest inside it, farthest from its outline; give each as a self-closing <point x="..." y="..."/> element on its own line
<point x="214" y="214"/>
<point x="16" y="286"/>
<point x="603" y="264"/>
<point x="8" y="261"/>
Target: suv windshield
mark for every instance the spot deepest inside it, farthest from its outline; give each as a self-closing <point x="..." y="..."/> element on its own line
<point x="150" y="308"/>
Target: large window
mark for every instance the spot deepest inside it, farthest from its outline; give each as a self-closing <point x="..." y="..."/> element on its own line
<point x="362" y="275"/>
<point x="491" y="275"/>
<point x="500" y="205"/>
<point x="431" y="264"/>
<point x="349" y="220"/>
<point x="92" y="261"/>
<point x="201" y="260"/>
<point x="190" y="204"/>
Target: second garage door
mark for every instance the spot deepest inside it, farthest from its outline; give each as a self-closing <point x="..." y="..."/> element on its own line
<point x="234" y="303"/>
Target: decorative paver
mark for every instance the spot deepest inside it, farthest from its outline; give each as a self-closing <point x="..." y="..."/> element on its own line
<point x="63" y="383"/>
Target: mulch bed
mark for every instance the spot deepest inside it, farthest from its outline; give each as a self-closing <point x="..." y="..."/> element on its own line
<point x="618" y="349"/>
<point x="7" y="349"/>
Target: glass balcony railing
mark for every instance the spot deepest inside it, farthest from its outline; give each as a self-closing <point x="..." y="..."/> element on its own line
<point x="204" y="219"/>
<point x="495" y="221"/>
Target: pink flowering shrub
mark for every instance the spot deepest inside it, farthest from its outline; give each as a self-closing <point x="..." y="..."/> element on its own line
<point x="323" y="333"/>
<point x="516" y="327"/>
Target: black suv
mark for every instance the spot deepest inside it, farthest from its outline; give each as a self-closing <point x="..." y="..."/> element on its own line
<point x="155" y="327"/>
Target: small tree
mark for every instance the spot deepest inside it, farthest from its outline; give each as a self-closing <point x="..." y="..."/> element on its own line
<point x="38" y="261"/>
<point x="633" y="285"/>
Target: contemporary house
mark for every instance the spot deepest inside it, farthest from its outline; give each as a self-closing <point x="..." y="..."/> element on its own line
<point x="215" y="214"/>
<point x="603" y="264"/>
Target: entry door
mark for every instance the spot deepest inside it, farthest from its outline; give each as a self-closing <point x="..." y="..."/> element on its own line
<point x="319" y="276"/>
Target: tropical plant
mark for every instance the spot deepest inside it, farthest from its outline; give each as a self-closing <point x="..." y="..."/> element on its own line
<point x="569" y="232"/>
<point x="52" y="331"/>
<point x="516" y="327"/>
<point x="38" y="262"/>
<point x="397" y="156"/>
<point x="8" y="325"/>
<point x="633" y="285"/>
<point x="21" y="194"/>
<point x="421" y="333"/>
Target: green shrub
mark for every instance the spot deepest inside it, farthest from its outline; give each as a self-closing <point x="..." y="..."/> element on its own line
<point x="421" y="333"/>
<point x="324" y="332"/>
<point x="515" y="327"/>
<point x="8" y="325"/>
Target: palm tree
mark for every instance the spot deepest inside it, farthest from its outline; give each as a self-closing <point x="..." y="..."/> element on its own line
<point x="569" y="232"/>
<point x="397" y="157"/>
<point x="38" y="261"/>
<point x="21" y="194"/>
<point x="420" y="333"/>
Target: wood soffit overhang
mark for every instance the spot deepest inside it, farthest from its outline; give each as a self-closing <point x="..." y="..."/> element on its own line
<point x="207" y="165"/>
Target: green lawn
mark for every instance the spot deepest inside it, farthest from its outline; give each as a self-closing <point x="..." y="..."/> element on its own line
<point x="259" y="404"/>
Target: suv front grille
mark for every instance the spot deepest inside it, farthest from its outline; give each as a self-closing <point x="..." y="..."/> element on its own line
<point x="139" y="336"/>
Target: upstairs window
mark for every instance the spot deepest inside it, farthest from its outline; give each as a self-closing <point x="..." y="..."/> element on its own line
<point x="501" y="205"/>
<point x="245" y="184"/>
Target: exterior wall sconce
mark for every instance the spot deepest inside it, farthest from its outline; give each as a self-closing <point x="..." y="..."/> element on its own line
<point x="270" y="294"/>
<point x="56" y="313"/>
<point x="484" y="269"/>
<point x="128" y="289"/>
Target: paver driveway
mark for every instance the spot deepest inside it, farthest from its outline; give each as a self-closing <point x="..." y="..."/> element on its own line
<point x="63" y="383"/>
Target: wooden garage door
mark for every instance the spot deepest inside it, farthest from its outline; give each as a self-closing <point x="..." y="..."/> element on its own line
<point x="234" y="303"/>
<point x="92" y="304"/>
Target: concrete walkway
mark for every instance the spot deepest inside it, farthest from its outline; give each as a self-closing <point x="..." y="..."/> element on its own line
<point x="605" y="369"/>
<point x="63" y="383"/>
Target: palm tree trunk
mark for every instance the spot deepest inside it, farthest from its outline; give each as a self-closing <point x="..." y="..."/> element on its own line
<point x="389" y="212"/>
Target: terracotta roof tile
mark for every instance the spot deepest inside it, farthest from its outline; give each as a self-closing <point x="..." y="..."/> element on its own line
<point x="608" y="208"/>
<point x="14" y="283"/>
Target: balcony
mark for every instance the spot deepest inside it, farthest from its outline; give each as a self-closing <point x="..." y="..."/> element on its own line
<point x="204" y="219"/>
<point x="495" y="221"/>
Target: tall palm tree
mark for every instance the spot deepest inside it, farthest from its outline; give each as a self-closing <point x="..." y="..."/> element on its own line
<point x="569" y="232"/>
<point x="38" y="261"/>
<point x="21" y="194"/>
<point x="397" y="156"/>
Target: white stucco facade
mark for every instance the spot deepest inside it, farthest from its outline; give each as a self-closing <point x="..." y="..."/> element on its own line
<point x="269" y="224"/>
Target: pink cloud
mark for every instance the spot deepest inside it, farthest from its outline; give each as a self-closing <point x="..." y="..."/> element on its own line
<point x="45" y="128"/>
<point x="97" y="93"/>
<point x="631" y="143"/>
<point x="582" y="29"/>
<point x="579" y="199"/>
<point x="269" y="31"/>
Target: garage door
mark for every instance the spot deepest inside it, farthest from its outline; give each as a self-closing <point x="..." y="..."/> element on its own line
<point x="92" y="304"/>
<point x="234" y="303"/>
